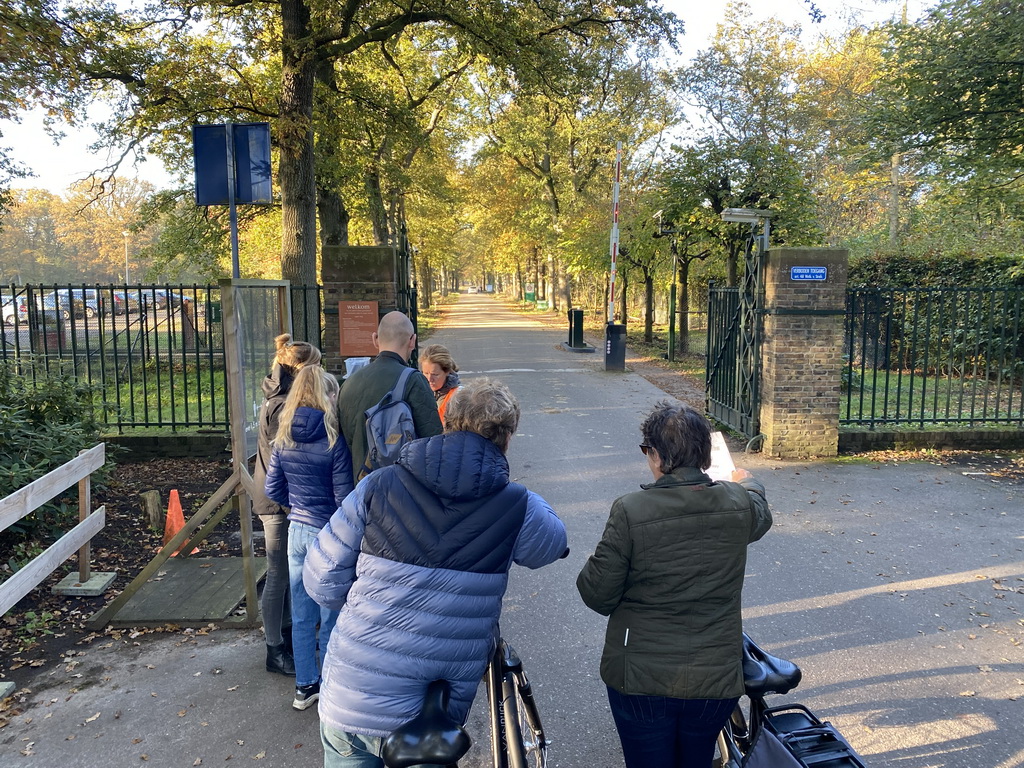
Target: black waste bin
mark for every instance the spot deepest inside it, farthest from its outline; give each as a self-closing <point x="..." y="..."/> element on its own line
<point x="615" y="347"/>
<point x="575" y="327"/>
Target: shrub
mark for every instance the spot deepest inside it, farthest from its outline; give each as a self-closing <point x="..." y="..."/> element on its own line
<point x="934" y="270"/>
<point x="46" y="418"/>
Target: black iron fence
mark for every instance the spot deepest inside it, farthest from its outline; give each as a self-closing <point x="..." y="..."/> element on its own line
<point x="153" y="355"/>
<point x="921" y="356"/>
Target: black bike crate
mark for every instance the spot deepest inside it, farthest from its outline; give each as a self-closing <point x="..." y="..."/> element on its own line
<point x="806" y="742"/>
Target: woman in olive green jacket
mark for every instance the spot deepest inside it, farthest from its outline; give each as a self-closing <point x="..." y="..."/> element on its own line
<point x="668" y="572"/>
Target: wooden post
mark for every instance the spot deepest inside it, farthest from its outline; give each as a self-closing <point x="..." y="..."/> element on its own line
<point x="84" y="510"/>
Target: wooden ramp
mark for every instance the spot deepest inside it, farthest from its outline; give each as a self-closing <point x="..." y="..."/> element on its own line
<point x="190" y="592"/>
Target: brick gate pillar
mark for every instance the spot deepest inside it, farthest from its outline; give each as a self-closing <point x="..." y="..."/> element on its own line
<point x="354" y="273"/>
<point x="802" y="351"/>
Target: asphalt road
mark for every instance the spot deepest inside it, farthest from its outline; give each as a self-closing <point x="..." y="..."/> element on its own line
<point x="898" y="588"/>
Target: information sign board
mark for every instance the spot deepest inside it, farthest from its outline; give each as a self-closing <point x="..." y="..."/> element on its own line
<point x="358" y="322"/>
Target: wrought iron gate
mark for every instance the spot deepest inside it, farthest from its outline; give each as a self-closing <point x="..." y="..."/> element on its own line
<point x="735" y="329"/>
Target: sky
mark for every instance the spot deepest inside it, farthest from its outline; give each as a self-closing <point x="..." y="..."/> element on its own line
<point x="56" y="167"/>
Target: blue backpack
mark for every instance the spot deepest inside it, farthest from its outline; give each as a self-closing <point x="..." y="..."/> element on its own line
<point x="389" y="426"/>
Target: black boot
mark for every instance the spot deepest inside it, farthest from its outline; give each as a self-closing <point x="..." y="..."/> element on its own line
<point x="279" y="659"/>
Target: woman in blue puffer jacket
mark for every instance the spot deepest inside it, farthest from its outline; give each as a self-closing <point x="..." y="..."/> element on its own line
<point x="417" y="560"/>
<point x="311" y="473"/>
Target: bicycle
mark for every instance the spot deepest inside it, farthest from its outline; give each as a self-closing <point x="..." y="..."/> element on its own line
<point x="789" y="736"/>
<point x="517" y="736"/>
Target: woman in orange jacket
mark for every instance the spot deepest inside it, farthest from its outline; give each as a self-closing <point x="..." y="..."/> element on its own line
<point x="441" y="373"/>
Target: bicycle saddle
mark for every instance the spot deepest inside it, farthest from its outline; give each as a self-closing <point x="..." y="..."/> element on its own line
<point x="764" y="673"/>
<point x="432" y="737"/>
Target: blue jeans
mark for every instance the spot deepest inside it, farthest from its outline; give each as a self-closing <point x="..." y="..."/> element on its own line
<point x="350" y="750"/>
<point x="661" y="732"/>
<point x="308" y="647"/>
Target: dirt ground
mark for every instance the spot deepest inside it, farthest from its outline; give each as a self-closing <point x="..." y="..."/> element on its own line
<point x="44" y="627"/>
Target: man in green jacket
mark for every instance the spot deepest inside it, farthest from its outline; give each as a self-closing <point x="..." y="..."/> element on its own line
<point x="668" y="572"/>
<point x="395" y="340"/>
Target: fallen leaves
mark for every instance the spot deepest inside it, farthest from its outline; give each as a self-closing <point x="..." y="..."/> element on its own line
<point x="125" y="545"/>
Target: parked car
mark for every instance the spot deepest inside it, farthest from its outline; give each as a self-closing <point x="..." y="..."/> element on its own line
<point x="15" y="309"/>
<point x="49" y="302"/>
<point x="163" y="297"/>
<point x="82" y="302"/>
<point x="157" y="298"/>
<point x="126" y="301"/>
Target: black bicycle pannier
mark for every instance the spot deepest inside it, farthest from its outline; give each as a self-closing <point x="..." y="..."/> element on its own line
<point x="792" y="737"/>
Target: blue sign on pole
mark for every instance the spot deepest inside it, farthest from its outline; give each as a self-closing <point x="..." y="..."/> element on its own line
<point x="808" y="273"/>
<point x="250" y="148"/>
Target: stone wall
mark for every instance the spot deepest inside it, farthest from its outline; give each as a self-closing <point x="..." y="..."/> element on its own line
<point x="802" y="351"/>
<point x="861" y="440"/>
<point x="146" y="447"/>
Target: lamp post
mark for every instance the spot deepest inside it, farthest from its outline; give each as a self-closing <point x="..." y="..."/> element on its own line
<point x="125" y="236"/>
<point x="753" y="217"/>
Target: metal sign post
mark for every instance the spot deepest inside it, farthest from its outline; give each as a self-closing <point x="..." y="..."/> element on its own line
<point x="615" y="333"/>
<point x="232" y="208"/>
<point x="613" y="245"/>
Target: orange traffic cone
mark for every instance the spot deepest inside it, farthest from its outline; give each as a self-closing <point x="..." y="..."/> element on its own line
<point x="175" y="521"/>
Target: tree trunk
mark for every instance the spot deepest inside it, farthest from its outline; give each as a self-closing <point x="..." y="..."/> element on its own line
<point x="552" y="294"/>
<point x="296" y="170"/>
<point x="533" y="272"/>
<point x="623" y="304"/>
<point x="426" y="280"/>
<point x="377" y="210"/>
<point x="648" y="306"/>
<point x="334" y="218"/>
<point x="566" y="289"/>
<point x="683" y="339"/>
<point x="732" y="271"/>
<point x="604" y="297"/>
<point x="331" y="211"/>
<point x="894" y="200"/>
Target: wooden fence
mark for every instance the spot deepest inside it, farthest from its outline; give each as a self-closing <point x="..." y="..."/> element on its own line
<point x="25" y="501"/>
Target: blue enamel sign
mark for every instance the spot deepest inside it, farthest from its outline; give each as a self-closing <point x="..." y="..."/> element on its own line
<point x="250" y="146"/>
<point x="808" y="273"/>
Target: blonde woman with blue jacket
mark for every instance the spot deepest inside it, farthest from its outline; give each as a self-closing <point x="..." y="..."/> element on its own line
<point x="311" y="473"/>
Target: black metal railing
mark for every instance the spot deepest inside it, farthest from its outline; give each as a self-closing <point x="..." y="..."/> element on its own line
<point x="916" y="357"/>
<point x="722" y="356"/>
<point x="153" y="355"/>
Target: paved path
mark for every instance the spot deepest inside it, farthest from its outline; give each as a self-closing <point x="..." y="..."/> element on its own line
<point x="899" y="589"/>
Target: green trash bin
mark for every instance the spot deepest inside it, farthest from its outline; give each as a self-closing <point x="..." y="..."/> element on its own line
<point x="576" y="328"/>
